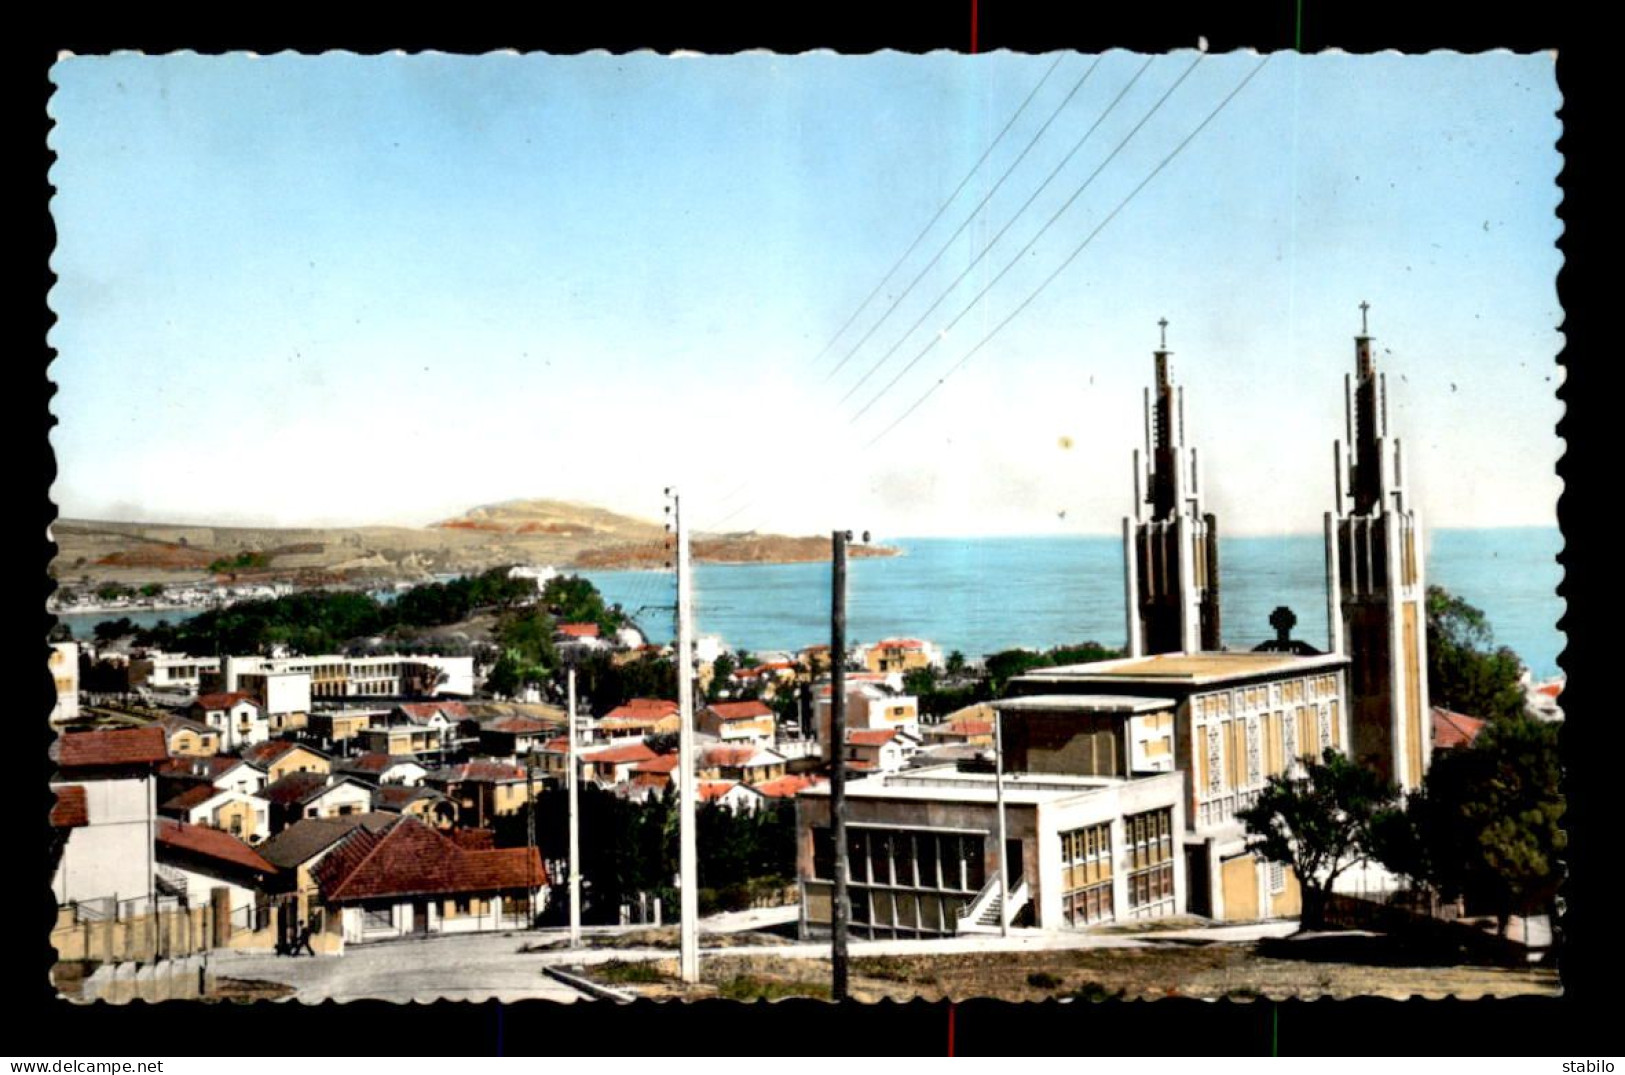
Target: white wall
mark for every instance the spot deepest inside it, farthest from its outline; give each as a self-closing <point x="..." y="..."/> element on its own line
<point x="287" y="692"/>
<point x="112" y="855"/>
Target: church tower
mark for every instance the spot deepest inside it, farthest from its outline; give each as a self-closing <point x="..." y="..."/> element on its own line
<point x="1170" y="548"/>
<point x="1376" y="597"/>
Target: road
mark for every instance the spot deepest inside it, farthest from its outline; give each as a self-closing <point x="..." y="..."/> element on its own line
<point x="488" y="966"/>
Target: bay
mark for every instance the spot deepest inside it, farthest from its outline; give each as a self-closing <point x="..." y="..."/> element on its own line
<point x="982" y="595"/>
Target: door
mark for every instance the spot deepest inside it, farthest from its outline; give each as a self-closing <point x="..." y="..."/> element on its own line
<point x="420" y="917"/>
<point x="1197" y="883"/>
<point x="1015" y="868"/>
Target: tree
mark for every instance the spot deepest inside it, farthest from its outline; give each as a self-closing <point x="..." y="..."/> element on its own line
<point x="955" y="664"/>
<point x="1466" y="673"/>
<point x="722" y="669"/>
<point x="1319" y="824"/>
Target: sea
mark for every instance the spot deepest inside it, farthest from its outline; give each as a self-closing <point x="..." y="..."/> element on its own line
<point x="982" y="595"/>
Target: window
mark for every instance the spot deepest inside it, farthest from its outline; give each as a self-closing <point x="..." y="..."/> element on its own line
<point x="1086" y="885"/>
<point x="379" y="918"/>
<point x="1277" y="878"/>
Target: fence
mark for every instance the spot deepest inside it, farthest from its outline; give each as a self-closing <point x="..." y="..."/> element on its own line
<point x="1409" y="918"/>
<point x="109" y="931"/>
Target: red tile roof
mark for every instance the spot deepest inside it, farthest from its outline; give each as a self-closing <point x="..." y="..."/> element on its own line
<point x="373" y="761"/>
<point x="210" y="843"/>
<point x="579" y="630"/>
<point x="616" y="755"/>
<point x="112" y="748"/>
<point x="740" y="710"/>
<point x="861" y="766"/>
<point x="191" y="797"/>
<point x="786" y="787"/>
<point x="70" y="810"/>
<point x="870" y="737"/>
<point x="399" y="796"/>
<point x="1550" y="690"/>
<point x="711" y="790"/>
<point x="210" y="702"/>
<point x="642" y="710"/>
<point x="727" y="755"/>
<point x="963" y="726"/>
<point x="269" y="751"/>
<point x="210" y="768"/>
<point x="1454" y="730"/>
<point x="295" y="788"/>
<point x="480" y="772"/>
<point x="409" y="858"/>
<point x="665" y="763"/>
<point x="519" y="725"/>
<point x="474" y="839"/>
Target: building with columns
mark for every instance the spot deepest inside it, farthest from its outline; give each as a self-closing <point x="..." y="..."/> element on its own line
<point x="1170" y="545"/>
<point x="1376" y="594"/>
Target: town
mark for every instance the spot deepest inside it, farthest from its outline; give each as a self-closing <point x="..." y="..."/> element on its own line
<point x="273" y="802"/>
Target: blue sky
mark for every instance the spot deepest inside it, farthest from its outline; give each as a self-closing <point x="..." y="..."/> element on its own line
<point x="342" y="289"/>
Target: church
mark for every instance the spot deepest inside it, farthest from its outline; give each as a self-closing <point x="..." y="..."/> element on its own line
<point x="1124" y="776"/>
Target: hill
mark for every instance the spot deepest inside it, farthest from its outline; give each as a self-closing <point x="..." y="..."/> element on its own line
<point x="541" y="532"/>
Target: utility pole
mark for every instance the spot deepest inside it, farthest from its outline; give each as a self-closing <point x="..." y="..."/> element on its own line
<point x="575" y="815"/>
<point x="998" y="785"/>
<point x="688" y="873"/>
<point x="530" y="829"/>
<point x="841" y="910"/>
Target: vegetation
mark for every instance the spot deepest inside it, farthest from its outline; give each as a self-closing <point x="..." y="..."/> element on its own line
<point x="941" y="694"/>
<point x="1485" y="826"/>
<point x="750" y="987"/>
<point x="630" y="847"/>
<point x="248" y="560"/>
<point x="1319" y="824"/>
<point x="1467" y="673"/>
<point x="576" y="600"/>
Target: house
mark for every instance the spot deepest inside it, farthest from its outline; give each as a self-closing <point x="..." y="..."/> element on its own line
<point x="900" y="655"/>
<point x="483" y="790"/>
<point x="306" y="794"/>
<point x="413" y="729"/>
<point x="425" y="804"/>
<point x="340" y="725"/>
<point x="750" y="721"/>
<point x="238" y="718"/>
<point x="297" y="849"/>
<point x="868" y="706"/>
<point x="740" y="798"/>
<point x="279" y="757"/>
<point x="188" y="737"/>
<point x="378" y="768"/>
<point x="743" y="763"/>
<point x="409" y="879"/>
<point x="786" y="788"/>
<point x="967" y="729"/>
<point x="284" y="696"/>
<point x="638" y="719"/>
<point x="241" y="813"/>
<point x="880" y="750"/>
<point x="515" y="735"/>
<point x="196" y="862"/>
<point x="613" y="765"/>
<point x="171" y="671"/>
<point x="654" y="776"/>
<point x="1454" y="731"/>
<point x="220" y="770"/>
<point x="105" y="814"/>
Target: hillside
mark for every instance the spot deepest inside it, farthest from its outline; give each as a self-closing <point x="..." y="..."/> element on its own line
<point x="550" y="532"/>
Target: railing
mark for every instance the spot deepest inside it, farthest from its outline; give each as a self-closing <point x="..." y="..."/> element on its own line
<point x="972" y="910"/>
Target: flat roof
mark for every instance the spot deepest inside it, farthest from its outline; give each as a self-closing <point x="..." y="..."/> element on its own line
<point x="1188" y="668"/>
<point x="947" y="784"/>
<point x="1084" y="703"/>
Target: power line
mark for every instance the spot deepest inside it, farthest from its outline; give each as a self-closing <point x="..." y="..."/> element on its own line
<point x="938" y="214"/>
<point x="1078" y="250"/>
<point x="977" y="260"/>
<point x="1036" y="236"/>
<point x="966" y="222"/>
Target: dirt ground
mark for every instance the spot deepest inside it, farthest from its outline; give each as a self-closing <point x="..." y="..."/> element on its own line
<point x="1208" y="971"/>
<point x="248" y="989"/>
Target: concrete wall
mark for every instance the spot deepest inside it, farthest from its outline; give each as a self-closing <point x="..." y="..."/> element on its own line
<point x="112" y="855"/>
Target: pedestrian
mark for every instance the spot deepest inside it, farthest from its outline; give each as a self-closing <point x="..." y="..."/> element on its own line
<point x="304" y="941"/>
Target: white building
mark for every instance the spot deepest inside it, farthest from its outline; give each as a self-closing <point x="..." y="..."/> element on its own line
<point x="105" y="814"/>
<point x="64" y="665"/>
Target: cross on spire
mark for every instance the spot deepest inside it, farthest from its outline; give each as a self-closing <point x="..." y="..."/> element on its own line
<point x="1364" y="306"/>
<point x="1164" y="324"/>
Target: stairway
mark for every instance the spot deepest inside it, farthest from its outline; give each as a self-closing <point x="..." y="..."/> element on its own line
<point x="981" y="915"/>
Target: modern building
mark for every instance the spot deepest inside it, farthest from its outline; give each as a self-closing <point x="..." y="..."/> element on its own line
<point x="171" y="671"/>
<point x="1223" y="723"/>
<point x="1170" y="546"/>
<point x="334" y="676"/>
<point x="923" y="851"/>
<point x="1376" y="593"/>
